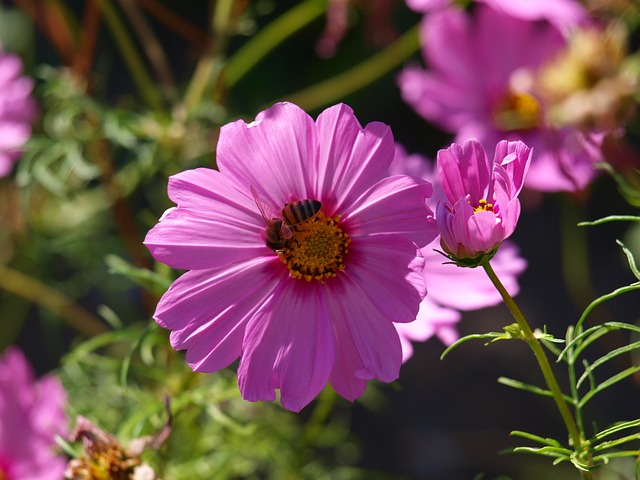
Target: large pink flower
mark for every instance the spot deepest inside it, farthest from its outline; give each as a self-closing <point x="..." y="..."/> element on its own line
<point x="31" y="414"/>
<point x="451" y="289"/>
<point x="17" y="111"/>
<point x="482" y="207"/>
<point x="477" y="86"/>
<point x="320" y="309"/>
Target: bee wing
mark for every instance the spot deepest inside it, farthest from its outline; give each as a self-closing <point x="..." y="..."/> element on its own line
<point x="264" y="211"/>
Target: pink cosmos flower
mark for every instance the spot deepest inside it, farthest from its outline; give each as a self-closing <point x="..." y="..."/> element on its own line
<point x="476" y="87"/>
<point x="451" y="289"/>
<point x="17" y="111"/>
<point x="482" y="207"/>
<point x="319" y="306"/>
<point x="564" y="14"/>
<point x="31" y="414"/>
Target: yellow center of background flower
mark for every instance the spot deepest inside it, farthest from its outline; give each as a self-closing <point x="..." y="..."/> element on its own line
<point x="316" y="249"/>
<point x="517" y="111"/>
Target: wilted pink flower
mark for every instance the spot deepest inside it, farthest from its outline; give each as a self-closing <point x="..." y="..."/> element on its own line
<point x="320" y="308"/>
<point x="450" y="288"/>
<point x="17" y="111"/>
<point x="477" y="85"/>
<point x="562" y="13"/>
<point x="31" y="414"/>
<point x="482" y="207"/>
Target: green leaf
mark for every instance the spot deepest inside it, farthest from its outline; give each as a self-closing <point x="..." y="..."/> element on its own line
<point x="492" y="335"/>
<point x="607" y="383"/>
<point x="630" y="259"/>
<point x="550" y="442"/>
<point x="148" y="279"/>
<point x="530" y="388"/>
<point x="592" y="334"/>
<point x="600" y="361"/>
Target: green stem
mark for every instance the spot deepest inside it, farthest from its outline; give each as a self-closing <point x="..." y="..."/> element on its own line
<point x="37" y="292"/>
<point x="321" y="412"/>
<point x="336" y="88"/>
<point x="541" y="357"/>
<point x="210" y="63"/>
<point x="256" y="49"/>
<point x="145" y="85"/>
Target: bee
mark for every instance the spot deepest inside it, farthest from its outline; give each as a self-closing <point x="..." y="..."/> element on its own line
<point x="292" y="214"/>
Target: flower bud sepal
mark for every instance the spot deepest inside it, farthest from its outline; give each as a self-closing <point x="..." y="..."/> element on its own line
<point x="469" y="262"/>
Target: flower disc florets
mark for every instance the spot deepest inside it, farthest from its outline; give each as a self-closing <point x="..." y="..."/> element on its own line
<point x="317" y="249"/>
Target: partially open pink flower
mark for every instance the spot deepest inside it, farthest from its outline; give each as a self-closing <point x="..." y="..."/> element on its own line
<point x="478" y="85"/>
<point x="31" y="414"/>
<point x="482" y="207"/>
<point x="17" y="111"/>
<point x="318" y="305"/>
<point x="451" y="289"/>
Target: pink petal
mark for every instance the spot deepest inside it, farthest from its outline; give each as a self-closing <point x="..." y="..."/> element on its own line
<point x="203" y="319"/>
<point x="289" y="345"/>
<point x="350" y="158"/>
<point x="276" y="154"/>
<point x="464" y="170"/>
<point x="216" y="223"/>
<point x="395" y="205"/>
<point x="396" y="294"/>
<point x="367" y="343"/>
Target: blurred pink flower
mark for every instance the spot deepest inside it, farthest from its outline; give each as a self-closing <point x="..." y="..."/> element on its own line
<point x="450" y="288"/>
<point x="31" y="414"/>
<point x="564" y="14"/>
<point x="318" y="309"/>
<point x="482" y="207"/>
<point x="17" y="111"/>
<point x="477" y="86"/>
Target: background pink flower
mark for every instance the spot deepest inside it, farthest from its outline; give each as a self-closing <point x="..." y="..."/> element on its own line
<point x="473" y="87"/>
<point x="31" y="414"/>
<point x="451" y="288"/>
<point x="562" y="13"/>
<point x="17" y="111"/>
<point x="242" y="299"/>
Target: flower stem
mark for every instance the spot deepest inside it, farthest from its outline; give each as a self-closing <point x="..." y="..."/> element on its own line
<point x="361" y="75"/>
<point x="37" y="292"/>
<point x="147" y="88"/>
<point x="256" y="49"/>
<point x="541" y="357"/>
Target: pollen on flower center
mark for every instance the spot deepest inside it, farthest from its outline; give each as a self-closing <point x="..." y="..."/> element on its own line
<point x="517" y="111"/>
<point x="483" y="205"/>
<point x="317" y="248"/>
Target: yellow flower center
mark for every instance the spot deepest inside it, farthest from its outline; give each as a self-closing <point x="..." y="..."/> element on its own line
<point x="317" y="248"/>
<point x="517" y="111"/>
<point x="483" y="206"/>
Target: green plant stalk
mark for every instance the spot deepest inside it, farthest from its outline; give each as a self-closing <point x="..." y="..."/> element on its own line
<point x="541" y="357"/>
<point x="336" y="88"/>
<point x="210" y="63"/>
<point x="267" y="39"/>
<point x="37" y="292"/>
<point x="146" y="86"/>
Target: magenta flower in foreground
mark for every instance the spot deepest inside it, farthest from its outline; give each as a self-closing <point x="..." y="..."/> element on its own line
<point x="17" y="111"/>
<point x="451" y="289"/>
<point x="31" y="414"/>
<point x="482" y="207"/>
<point x="477" y="85"/>
<point x="320" y="308"/>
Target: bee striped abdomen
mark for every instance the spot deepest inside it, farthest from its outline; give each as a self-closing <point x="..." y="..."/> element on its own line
<point x="297" y="212"/>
